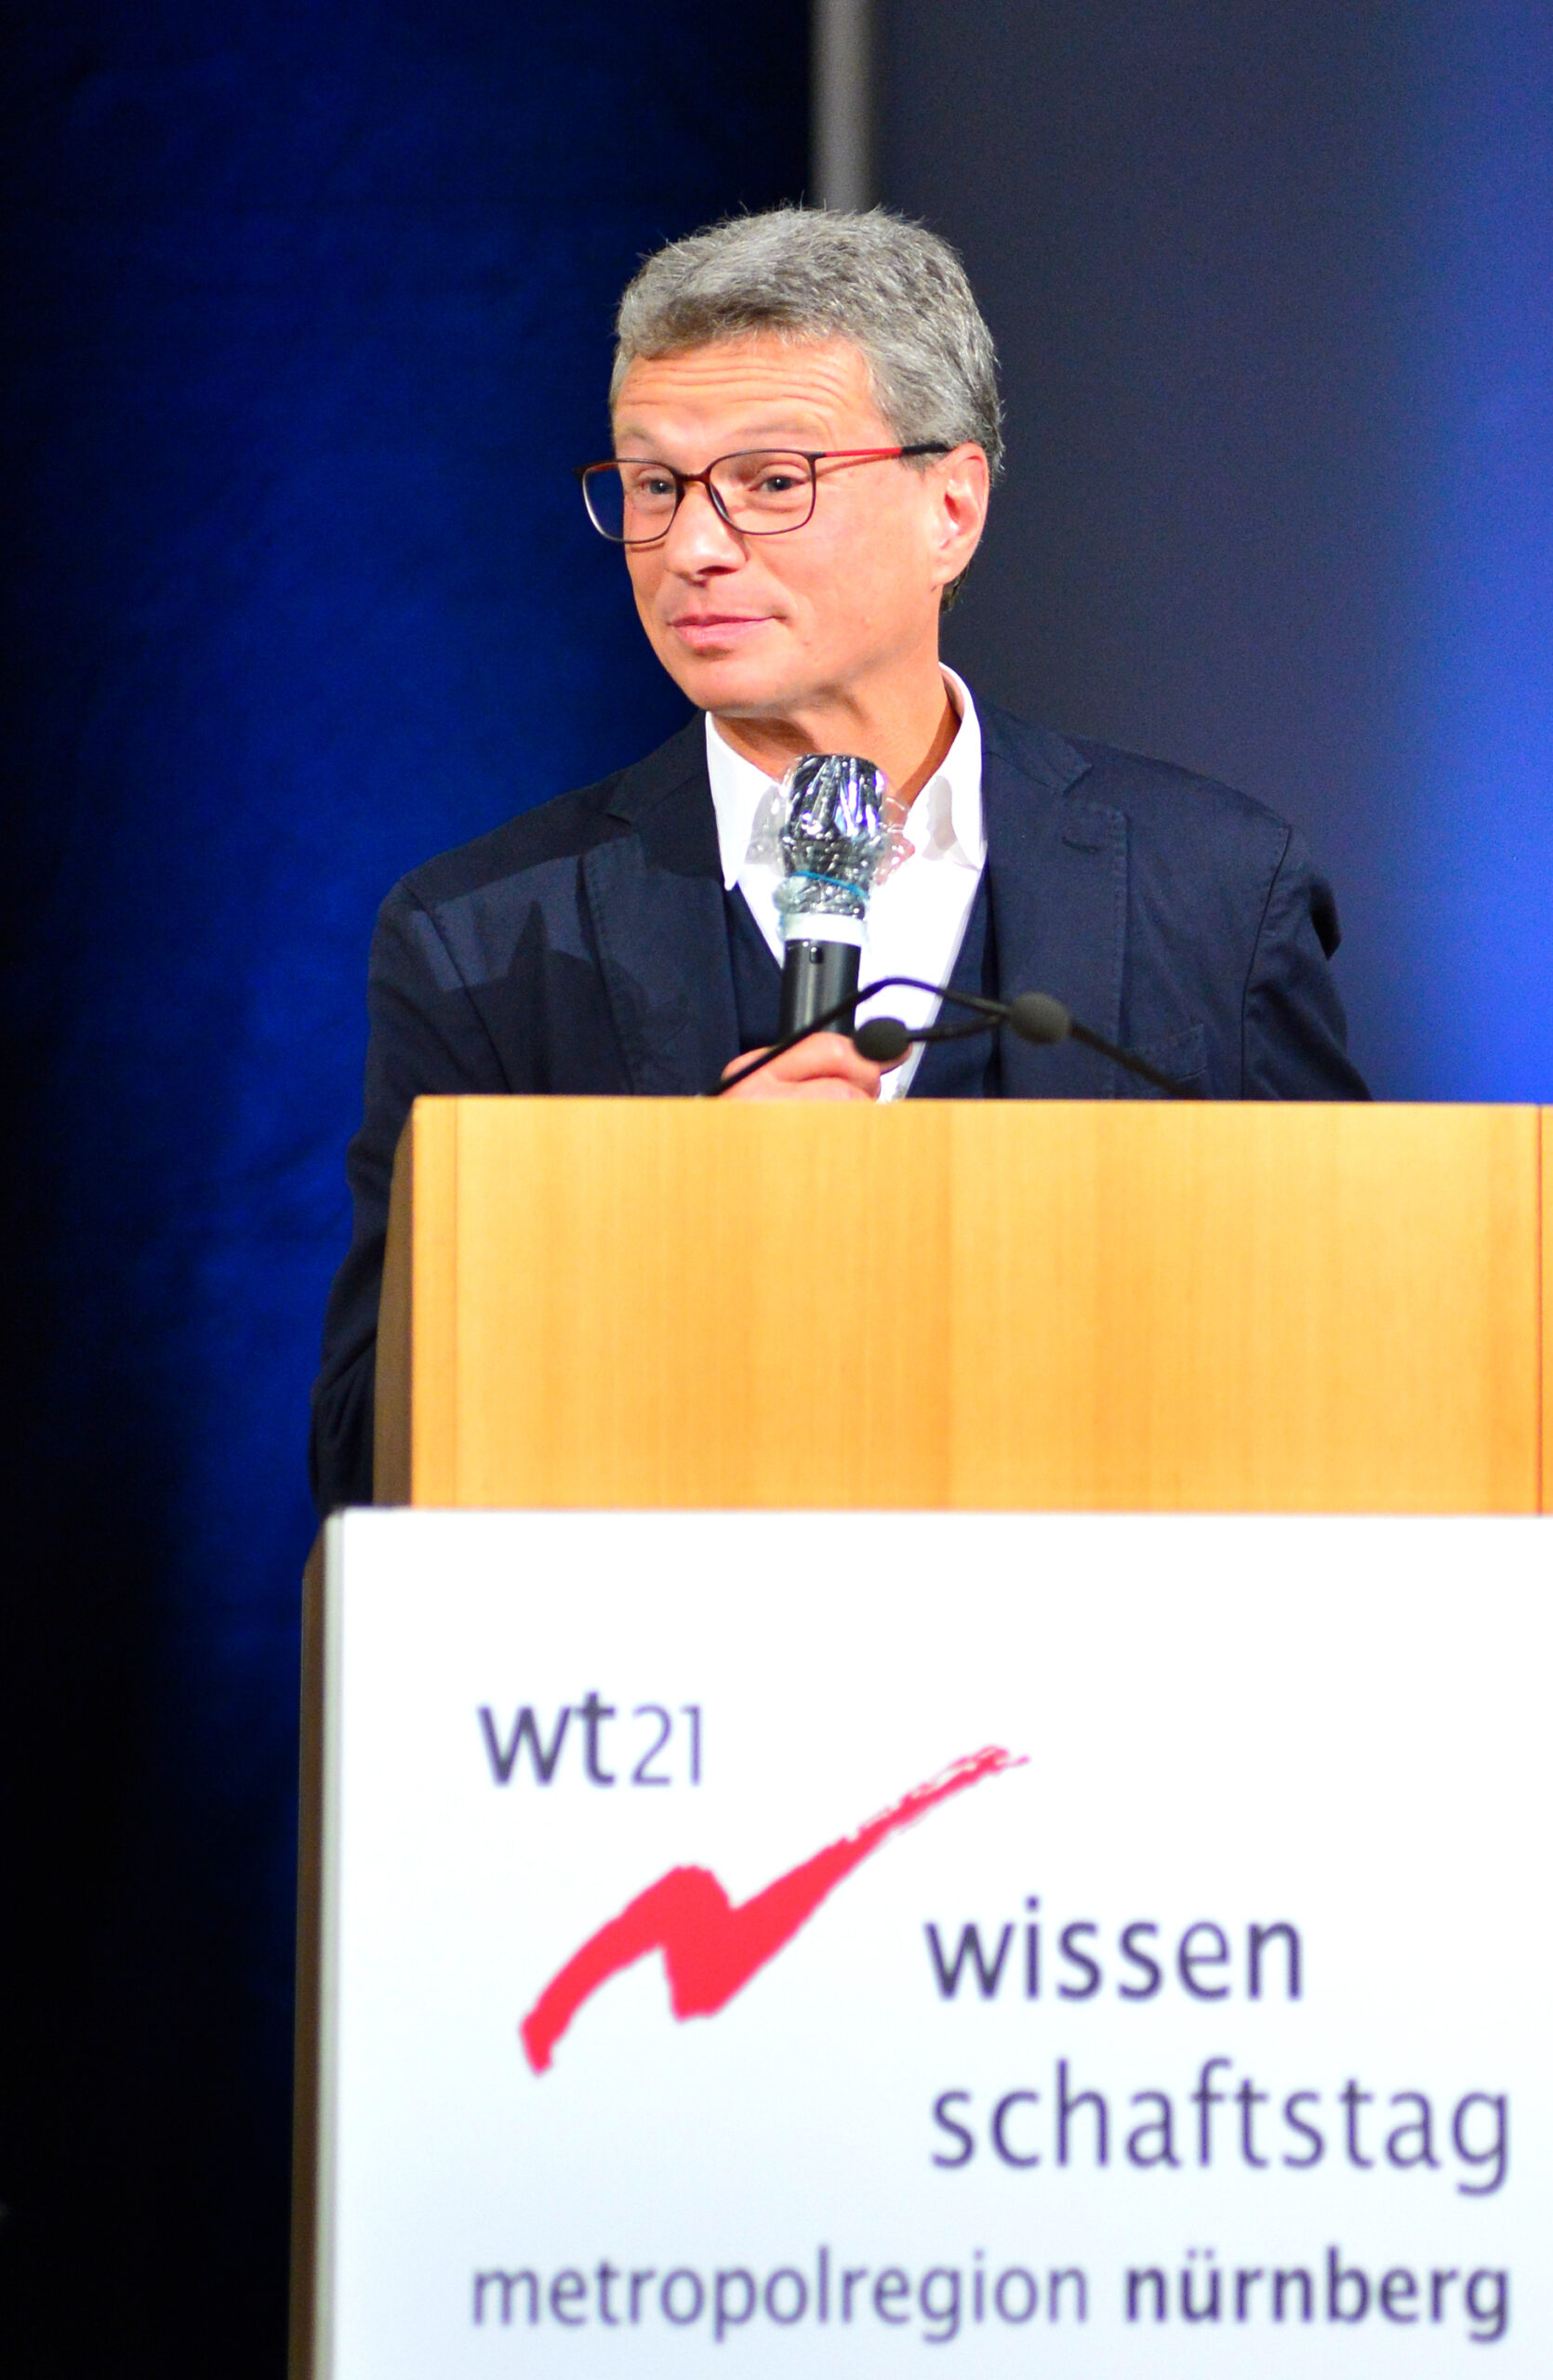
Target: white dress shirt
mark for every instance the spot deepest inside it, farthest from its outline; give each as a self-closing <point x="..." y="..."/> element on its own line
<point x="916" y="918"/>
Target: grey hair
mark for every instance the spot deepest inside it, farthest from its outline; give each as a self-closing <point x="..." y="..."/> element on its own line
<point x="898" y="292"/>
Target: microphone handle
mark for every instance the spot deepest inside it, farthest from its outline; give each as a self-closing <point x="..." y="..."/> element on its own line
<point x="817" y="978"/>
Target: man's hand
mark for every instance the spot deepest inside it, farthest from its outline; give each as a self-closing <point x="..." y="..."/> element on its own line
<point x="825" y="1067"/>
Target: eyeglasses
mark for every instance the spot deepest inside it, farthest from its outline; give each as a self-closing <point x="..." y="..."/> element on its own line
<point x="761" y="494"/>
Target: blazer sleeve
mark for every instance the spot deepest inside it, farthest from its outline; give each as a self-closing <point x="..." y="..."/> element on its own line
<point x="424" y="1034"/>
<point x="1294" y="1034"/>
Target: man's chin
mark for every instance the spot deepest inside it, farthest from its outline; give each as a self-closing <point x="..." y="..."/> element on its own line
<point x="738" y="685"/>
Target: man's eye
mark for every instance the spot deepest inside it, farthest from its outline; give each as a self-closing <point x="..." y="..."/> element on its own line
<point x="778" y="482"/>
<point x="649" y="487"/>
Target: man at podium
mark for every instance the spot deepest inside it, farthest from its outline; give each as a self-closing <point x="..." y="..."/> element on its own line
<point x="806" y="431"/>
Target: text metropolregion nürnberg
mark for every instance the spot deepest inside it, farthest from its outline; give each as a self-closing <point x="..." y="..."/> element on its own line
<point x="948" y="2301"/>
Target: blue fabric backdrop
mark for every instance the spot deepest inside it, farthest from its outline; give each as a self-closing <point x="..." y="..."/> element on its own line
<point x="309" y="313"/>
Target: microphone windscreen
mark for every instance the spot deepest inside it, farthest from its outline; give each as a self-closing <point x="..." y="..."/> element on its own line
<point x="882" y="1039"/>
<point x="1036" y="1016"/>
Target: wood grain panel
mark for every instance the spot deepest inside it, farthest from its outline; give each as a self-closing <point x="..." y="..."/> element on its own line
<point x="656" y="1303"/>
<point x="1108" y="1305"/>
<point x="1253" y="1307"/>
<point x="415" y="1418"/>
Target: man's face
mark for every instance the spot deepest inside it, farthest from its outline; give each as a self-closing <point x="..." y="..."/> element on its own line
<point x="770" y="627"/>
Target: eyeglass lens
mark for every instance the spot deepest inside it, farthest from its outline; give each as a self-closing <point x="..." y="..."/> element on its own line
<point x="761" y="491"/>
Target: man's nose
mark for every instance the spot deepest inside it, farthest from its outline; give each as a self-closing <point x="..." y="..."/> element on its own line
<point x="698" y="538"/>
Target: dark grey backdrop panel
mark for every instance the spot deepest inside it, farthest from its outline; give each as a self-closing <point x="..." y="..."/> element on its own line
<point x="1273" y="288"/>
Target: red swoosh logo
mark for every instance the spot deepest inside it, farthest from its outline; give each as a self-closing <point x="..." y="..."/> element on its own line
<point x="711" y="1949"/>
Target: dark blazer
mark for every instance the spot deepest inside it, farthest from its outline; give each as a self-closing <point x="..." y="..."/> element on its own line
<point x="583" y="947"/>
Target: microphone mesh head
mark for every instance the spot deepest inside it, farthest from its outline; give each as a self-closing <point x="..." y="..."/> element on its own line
<point x="839" y="834"/>
<point x="1036" y="1016"/>
<point x="883" y="1038"/>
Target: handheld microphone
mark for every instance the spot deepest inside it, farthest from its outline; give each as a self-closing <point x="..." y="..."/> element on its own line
<point x="837" y="839"/>
<point x="819" y="978"/>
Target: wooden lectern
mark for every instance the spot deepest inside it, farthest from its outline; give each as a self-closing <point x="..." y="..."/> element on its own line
<point x="1120" y="1305"/>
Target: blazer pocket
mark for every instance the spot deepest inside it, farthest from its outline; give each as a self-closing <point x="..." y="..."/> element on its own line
<point x="1182" y="1056"/>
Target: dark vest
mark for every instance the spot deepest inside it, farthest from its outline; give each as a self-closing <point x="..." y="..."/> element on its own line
<point x="949" y="1069"/>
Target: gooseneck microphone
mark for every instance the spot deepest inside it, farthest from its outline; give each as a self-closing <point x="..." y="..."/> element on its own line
<point x="836" y="841"/>
<point x="1031" y="1016"/>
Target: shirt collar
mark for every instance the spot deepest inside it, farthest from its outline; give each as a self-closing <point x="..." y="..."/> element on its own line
<point x="946" y="815"/>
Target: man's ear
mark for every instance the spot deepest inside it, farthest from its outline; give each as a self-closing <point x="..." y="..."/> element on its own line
<point x="962" y="485"/>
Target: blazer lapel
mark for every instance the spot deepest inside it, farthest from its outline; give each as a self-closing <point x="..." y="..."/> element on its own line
<point x="654" y="897"/>
<point x="1056" y="871"/>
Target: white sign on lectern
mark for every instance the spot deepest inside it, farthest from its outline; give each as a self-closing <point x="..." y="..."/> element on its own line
<point x="871" y="1943"/>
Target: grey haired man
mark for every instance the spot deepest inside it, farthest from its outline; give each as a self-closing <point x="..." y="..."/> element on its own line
<point x="806" y="433"/>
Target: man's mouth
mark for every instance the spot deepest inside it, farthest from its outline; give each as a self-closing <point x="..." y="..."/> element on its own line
<point x="701" y="630"/>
